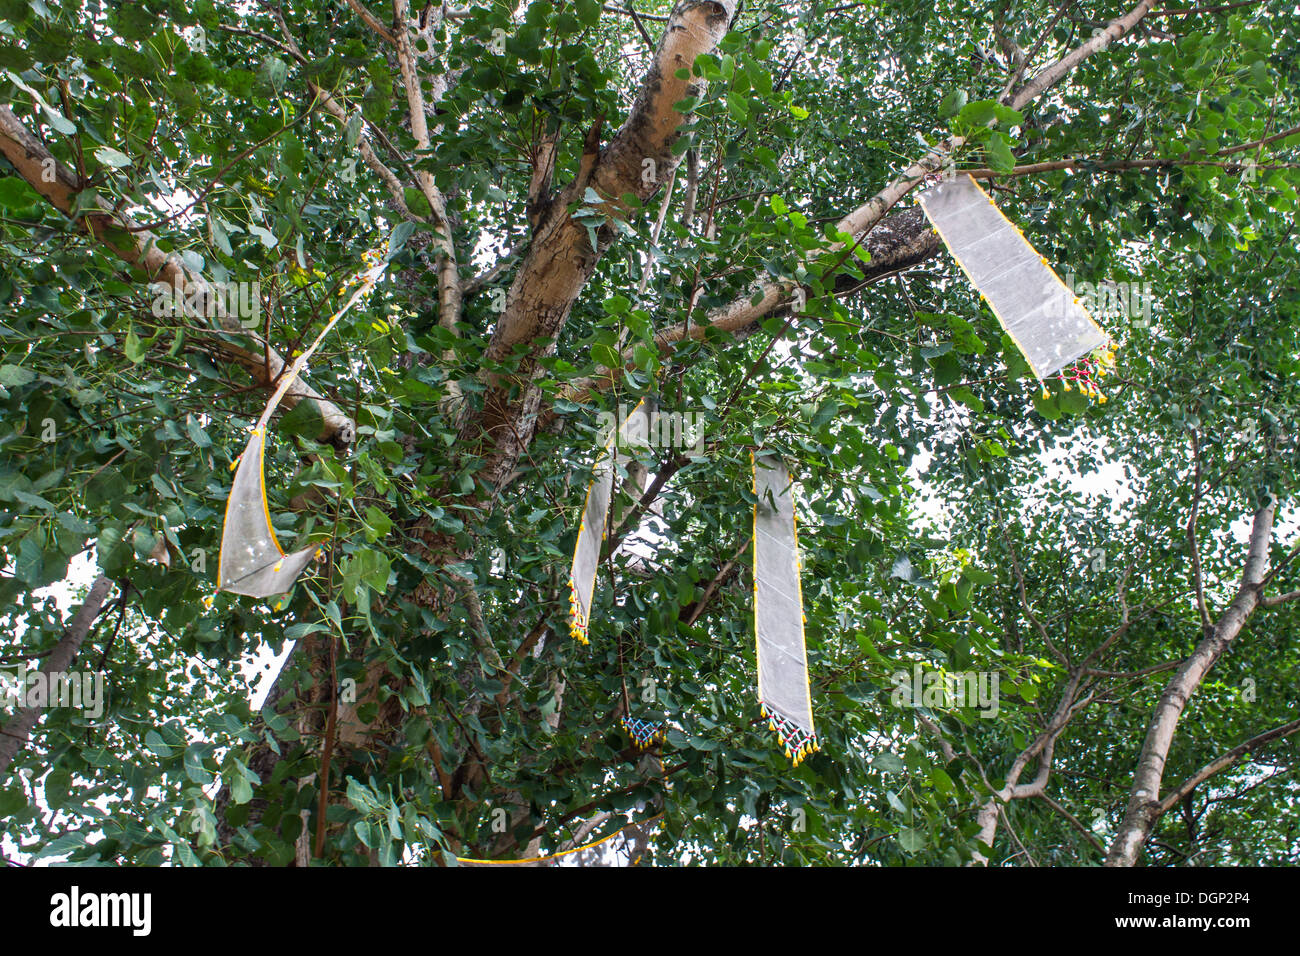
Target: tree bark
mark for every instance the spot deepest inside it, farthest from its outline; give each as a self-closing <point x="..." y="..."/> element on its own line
<point x="1144" y="805"/>
<point x="561" y="257"/>
<point x="139" y="247"/>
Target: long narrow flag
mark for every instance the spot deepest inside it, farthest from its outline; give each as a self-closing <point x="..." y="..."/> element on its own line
<point x="252" y="561"/>
<point x="592" y="528"/>
<point x="1041" y="314"/>
<point x="783" y="692"/>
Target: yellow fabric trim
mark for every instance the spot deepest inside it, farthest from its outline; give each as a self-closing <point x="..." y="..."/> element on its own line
<point x="579" y="626"/>
<point x="998" y="315"/>
<point x="261" y="480"/>
<point x="556" y="856"/>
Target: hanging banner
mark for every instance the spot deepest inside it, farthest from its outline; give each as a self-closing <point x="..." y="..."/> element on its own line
<point x="593" y="525"/>
<point x="1038" y="311"/>
<point x="783" y="691"/>
<point x="252" y="561"/>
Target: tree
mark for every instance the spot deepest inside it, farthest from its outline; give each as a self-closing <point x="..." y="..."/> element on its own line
<point x="583" y="204"/>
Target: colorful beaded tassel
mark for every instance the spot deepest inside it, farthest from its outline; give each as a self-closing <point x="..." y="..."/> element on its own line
<point x="797" y="742"/>
<point x="644" y="733"/>
<point x="1085" y="375"/>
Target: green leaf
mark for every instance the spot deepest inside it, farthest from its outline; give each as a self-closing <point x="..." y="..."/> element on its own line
<point x="617" y="305"/>
<point x="14" y="376"/>
<point x="397" y="238"/>
<point x="887" y="762"/>
<point x="378" y="524"/>
<point x="588" y="12"/>
<point x="154" y="741"/>
<point x="912" y="841"/>
<point x="241" y="791"/>
<point x="273" y="72"/>
<point x="952" y="103"/>
<point x="112" y="157"/>
<point x="978" y="113"/>
<point x="361" y="798"/>
<point x="132" y="347"/>
<point x="645" y="357"/>
<point x="606" y="355"/>
<point x="416" y="202"/>
<point x="16" y="194"/>
<point x="999" y="155"/>
<point x="194" y="768"/>
<point x="367" y="567"/>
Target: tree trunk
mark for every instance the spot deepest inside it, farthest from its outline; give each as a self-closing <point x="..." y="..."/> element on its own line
<point x="1144" y="805"/>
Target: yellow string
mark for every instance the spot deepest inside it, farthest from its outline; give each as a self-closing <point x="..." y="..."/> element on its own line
<point x="556" y="856"/>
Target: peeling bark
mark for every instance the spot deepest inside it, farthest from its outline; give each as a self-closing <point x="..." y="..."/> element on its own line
<point x="561" y="259"/>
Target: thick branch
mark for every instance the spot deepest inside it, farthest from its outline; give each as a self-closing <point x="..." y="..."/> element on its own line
<point x="1225" y="761"/>
<point x="137" y="247"/>
<point x="1144" y="806"/>
<point x="768" y="297"/>
<point x="561" y="258"/>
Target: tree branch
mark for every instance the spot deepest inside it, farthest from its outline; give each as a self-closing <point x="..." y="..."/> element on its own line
<point x="561" y="258"/>
<point x="16" y="731"/>
<point x="372" y="21"/>
<point x="765" y="298"/>
<point x="1074" y="822"/>
<point x="1144" y="807"/>
<point x="113" y="229"/>
<point x="1226" y="760"/>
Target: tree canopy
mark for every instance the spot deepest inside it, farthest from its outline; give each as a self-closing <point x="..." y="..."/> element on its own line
<point x="581" y="204"/>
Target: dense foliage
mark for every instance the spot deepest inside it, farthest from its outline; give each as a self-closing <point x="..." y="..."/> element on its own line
<point x="952" y="514"/>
